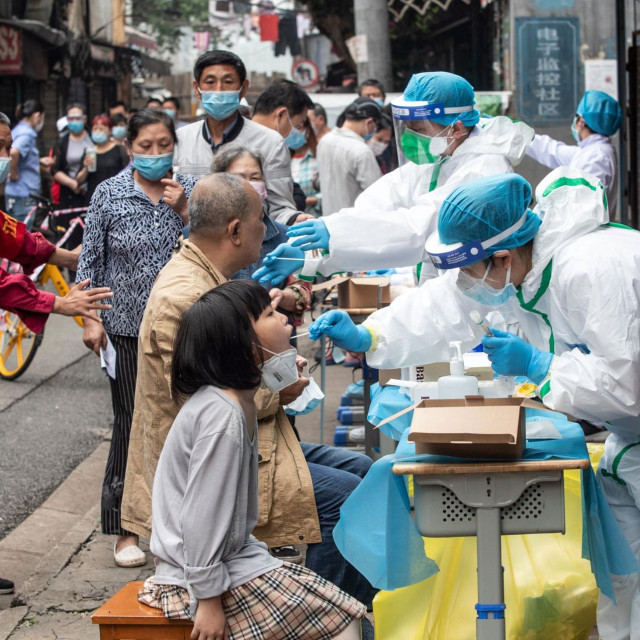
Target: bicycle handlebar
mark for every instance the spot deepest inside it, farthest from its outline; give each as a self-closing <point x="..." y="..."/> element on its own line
<point x="41" y="200"/>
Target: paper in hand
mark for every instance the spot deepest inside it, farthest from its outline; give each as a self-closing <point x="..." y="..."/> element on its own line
<point x="108" y="359"/>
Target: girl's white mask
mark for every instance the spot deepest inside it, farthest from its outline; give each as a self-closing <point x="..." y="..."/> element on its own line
<point x="280" y="370"/>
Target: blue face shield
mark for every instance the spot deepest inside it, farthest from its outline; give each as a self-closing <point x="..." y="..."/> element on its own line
<point x="4" y="169"/>
<point x="153" y="167"/>
<point x="220" y="104"/>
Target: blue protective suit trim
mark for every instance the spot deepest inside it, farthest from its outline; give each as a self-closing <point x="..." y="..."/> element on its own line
<point x="496" y="609"/>
<point x="377" y="535"/>
<point x="386" y="401"/>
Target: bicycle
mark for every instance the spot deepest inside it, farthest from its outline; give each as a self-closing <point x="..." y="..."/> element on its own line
<point x="18" y="344"/>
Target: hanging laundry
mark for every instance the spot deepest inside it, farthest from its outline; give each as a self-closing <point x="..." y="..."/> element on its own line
<point x="201" y="40"/>
<point x="288" y="36"/>
<point x="303" y="24"/>
<point x="247" y="25"/>
<point x="269" y="28"/>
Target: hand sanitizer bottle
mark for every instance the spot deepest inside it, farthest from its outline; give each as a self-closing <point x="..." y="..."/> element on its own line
<point x="457" y="385"/>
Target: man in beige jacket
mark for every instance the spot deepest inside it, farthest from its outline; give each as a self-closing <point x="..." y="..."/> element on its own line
<point x="301" y="487"/>
<point x="226" y="232"/>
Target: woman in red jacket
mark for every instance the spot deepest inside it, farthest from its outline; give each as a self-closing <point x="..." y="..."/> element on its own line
<point x="18" y="293"/>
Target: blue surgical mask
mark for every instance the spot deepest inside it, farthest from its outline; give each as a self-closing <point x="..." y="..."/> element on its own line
<point x="171" y="113"/>
<point x="76" y="127"/>
<point x="575" y="131"/>
<point x="296" y="139"/>
<point x="220" y="104"/>
<point x="152" y="167"/>
<point x="99" y="137"/>
<point x="4" y="169"/>
<point x="481" y="292"/>
<point x="368" y="136"/>
<point x="119" y="132"/>
<point x="379" y="101"/>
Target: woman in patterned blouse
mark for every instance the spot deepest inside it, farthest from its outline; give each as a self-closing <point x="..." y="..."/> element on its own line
<point x="132" y="226"/>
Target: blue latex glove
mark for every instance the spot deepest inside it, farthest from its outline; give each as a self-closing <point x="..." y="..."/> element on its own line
<point x="276" y="269"/>
<point x="310" y="234"/>
<point x="512" y="356"/>
<point x="340" y="328"/>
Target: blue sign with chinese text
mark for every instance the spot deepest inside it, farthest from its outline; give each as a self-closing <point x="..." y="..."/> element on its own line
<point x="547" y="72"/>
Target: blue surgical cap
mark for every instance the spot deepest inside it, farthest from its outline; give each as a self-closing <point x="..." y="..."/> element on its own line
<point x="601" y="112"/>
<point x="482" y="208"/>
<point x="446" y="88"/>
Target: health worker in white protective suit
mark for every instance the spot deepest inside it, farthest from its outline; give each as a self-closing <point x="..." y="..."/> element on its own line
<point x="442" y="143"/>
<point x="570" y="283"/>
<point x="598" y="117"/>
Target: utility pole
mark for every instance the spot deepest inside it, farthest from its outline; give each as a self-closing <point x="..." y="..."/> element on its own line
<point x="372" y="21"/>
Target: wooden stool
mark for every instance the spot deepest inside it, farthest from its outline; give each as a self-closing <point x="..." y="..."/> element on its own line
<point x="122" y="617"/>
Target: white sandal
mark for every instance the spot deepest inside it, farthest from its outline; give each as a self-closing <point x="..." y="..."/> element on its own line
<point x="131" y="556"/>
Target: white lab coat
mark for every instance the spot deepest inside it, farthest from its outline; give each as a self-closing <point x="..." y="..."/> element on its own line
<point x="392" y="219"/>
<point x="585" y="281"/>
<point x="595" y="154"/>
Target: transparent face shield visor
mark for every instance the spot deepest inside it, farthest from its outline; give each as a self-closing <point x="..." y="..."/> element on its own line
<point x="418" y="139"/>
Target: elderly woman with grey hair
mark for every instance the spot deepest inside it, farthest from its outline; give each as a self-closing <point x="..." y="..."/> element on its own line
<point x="293" y="296"/>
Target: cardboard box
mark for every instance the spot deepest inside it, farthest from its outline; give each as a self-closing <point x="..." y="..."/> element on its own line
<point x="359" y="292"/>
<point x="473" y="427"/>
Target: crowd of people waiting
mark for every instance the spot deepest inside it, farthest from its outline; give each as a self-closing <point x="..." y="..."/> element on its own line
<point x="194" y="337"/>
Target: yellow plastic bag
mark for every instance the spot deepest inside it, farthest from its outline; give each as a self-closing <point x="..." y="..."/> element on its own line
<point x="550" y="591"/>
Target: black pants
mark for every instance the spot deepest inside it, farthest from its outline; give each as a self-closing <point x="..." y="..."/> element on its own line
<point x="122" y="393"/>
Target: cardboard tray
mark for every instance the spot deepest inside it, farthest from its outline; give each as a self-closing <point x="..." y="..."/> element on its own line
<point x="472" y="427"/>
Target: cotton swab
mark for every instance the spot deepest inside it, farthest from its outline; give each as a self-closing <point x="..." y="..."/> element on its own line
<point x="280" y="258"/>
<point x="299" y="335"/>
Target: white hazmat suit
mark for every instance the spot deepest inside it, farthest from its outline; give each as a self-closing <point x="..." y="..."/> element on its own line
<point x="580" y="301"/>
<point x="595" y="155"/>
<point x="392" y="219"/>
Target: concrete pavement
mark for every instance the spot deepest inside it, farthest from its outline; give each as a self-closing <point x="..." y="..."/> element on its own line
<point x="51" y="419"/>
<point x="63" y="566"/>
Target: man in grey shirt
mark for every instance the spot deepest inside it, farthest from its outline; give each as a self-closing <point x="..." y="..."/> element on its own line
<point x="220" y="82"/>
<point x="346" y="164"/>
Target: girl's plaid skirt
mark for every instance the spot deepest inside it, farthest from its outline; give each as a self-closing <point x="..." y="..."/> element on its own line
<point x="287" y="603"/>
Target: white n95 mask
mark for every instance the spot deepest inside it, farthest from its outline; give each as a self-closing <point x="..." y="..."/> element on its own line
<point x="307" y="401"/>
<point x="280" y="370"/>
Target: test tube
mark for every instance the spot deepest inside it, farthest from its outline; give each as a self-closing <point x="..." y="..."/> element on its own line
<point x="478" y="320"/>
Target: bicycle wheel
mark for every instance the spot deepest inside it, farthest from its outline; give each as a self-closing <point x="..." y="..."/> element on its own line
<point x="18" y="346"/>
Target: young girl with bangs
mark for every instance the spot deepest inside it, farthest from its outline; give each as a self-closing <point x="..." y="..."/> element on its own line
<point x="209" y="568"/>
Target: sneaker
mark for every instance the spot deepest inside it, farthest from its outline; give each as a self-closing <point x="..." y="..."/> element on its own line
<point x="287" y="553"/>
<point x="131" y="556"/>
<point x="6" y="586"/>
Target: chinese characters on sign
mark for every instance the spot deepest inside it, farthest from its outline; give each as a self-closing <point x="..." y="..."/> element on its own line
<point x="10" y="50"/>
<point x="547" y="82"/>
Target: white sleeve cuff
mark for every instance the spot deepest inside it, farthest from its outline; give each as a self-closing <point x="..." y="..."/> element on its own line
<point x="311" y="263"/>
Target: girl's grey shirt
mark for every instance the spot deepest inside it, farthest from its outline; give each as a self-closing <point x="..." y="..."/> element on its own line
<point x="205" y="500"/>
